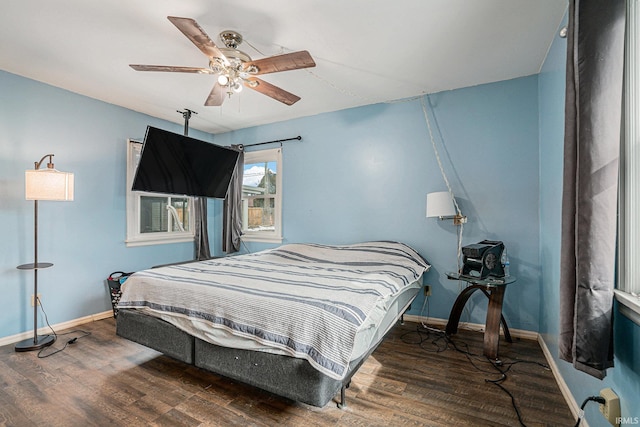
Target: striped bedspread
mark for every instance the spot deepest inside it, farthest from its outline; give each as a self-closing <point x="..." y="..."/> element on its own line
<point x="305" y="299"/>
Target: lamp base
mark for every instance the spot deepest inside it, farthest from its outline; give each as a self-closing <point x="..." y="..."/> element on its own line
<point x="40" y="342"/>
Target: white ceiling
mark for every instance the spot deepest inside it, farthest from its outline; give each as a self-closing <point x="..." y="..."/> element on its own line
<point x="366" y="51"/>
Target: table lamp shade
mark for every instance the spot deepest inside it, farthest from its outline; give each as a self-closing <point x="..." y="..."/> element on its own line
<point x="439" y="204"/>
<point x="48" y="184"/>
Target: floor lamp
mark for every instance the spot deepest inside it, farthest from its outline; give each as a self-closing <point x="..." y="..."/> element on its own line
<point x="42" y="184"/>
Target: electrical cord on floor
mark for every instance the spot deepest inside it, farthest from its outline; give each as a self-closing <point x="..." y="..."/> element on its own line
<point x="498" y="382"/>
<point x="533" y="362"/>
<point x="73" y="340"/>
<point x="424" y="333"/>
<point x="496" y="364"/>
<point x="503" y="373"/>
<point x="449" y="343"/>
<point x="598" y="399"/>
<point x="470" y="355"/>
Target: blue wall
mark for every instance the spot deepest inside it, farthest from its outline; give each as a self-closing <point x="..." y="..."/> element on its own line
<point x="363" y="174"/>
<point x="358" y="174"/>
<point x="624" y="378"/>
<point x="84" y="239"/>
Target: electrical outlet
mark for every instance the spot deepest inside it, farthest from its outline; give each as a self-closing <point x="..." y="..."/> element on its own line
<point x="33" y="302"/>
<point x="427" y="290"/>
<point x="611" y="408"/>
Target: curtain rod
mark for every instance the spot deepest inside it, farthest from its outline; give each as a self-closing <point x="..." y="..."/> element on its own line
<point x="270" y="142"/>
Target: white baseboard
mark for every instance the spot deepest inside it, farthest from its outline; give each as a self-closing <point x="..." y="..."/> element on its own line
<point x="564" y="388"/>
<point x="516" y="333"/>
<point x="59" y="326"/>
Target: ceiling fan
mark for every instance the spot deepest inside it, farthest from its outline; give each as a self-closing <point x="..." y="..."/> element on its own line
<point x="234" y="68"/>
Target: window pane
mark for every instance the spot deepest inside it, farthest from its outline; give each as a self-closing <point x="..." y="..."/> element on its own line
<point x="181" y="206"/>
<point x="262" y="196"/>
<point x="153" y="214"/>
<point x="260" y="214"/>
<point x="259" y="178"/>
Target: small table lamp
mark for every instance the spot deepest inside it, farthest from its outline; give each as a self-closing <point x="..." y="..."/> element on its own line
<point x="42" y="184"/>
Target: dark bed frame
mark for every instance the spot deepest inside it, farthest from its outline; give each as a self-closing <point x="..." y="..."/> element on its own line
<point x="285" y="376"/>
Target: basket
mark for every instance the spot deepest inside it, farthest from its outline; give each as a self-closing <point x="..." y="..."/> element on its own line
<point x="115" y="280"/>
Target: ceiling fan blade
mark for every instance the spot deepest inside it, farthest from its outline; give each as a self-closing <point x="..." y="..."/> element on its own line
<point x="198" y="37"/>
<point x="216" y="96"/>
<point x="273" y="91"/>
<point x="286" y="62"/>
<point x="172" y="69"/>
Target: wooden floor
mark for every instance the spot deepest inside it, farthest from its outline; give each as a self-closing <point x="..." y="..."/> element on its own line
<point x="105" y="380"/>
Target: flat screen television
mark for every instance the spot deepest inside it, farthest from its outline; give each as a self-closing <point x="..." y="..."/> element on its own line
<point x="177" y="164"/>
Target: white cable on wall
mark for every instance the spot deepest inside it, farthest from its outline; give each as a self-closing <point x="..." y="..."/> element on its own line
<point x="435" y="149"/>
<point x="444" y="177"/>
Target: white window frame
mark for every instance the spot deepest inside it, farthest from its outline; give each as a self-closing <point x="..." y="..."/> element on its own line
<point x="628" y="287"/>
<point x="270" y="236"/>
<point x="134" y="236"/>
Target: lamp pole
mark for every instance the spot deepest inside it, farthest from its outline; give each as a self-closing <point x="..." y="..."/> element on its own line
<point x="35" y="273"/>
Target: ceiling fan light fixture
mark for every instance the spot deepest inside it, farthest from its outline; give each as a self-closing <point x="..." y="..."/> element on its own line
<point x="232" y="67"/>
<point x="234" y="56"/>
<point x="217" y="65"/>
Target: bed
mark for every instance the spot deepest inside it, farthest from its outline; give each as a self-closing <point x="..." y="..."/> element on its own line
<point x="297" y="320"/>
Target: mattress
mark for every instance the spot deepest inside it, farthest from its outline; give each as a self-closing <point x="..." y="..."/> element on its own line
<point x="376" y="325"/>
<point x="325" y="304"/>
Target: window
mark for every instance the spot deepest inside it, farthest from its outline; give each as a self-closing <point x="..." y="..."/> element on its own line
<point x="629" y="231"/>
<point x="155" y="218"/>
<point x="262" y="196"/>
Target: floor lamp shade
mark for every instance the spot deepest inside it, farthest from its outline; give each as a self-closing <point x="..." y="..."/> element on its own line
<point x="48" y="184"/>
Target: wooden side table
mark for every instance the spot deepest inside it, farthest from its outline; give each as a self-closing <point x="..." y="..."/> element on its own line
<point x="493" y="288"/>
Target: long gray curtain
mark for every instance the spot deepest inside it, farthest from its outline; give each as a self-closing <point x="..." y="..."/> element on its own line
<point x="232" y="209"/>
<point x="201" y="242"/>
<point x="593" y="117"/>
